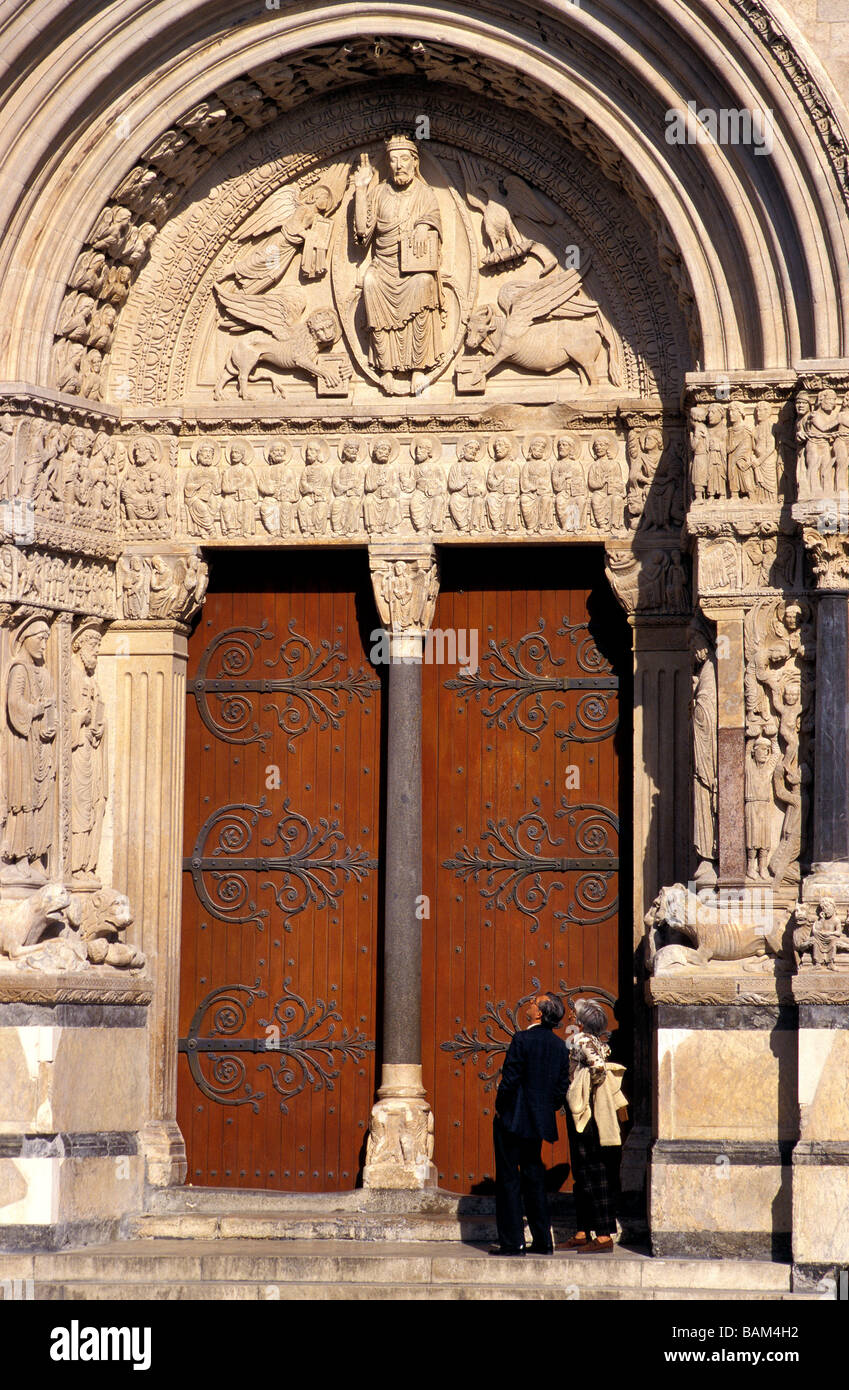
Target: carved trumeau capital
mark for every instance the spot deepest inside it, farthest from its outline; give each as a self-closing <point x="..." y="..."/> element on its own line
<point x="163" y="587"/>
<point x="649" y="581"/>
<point x="406" y="583"/>
<point x="825" y="531"/>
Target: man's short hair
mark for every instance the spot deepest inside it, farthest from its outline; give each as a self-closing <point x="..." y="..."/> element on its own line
<point x="551" y="1009"/>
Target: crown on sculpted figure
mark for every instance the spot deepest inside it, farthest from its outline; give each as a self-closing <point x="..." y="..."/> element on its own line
<point x="402" y="142"/>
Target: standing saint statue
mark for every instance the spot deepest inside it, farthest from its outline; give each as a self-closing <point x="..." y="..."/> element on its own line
<point x="30" y="764"/>
<point x="89" y="771"/>
<point x="705" y="719"/>
<point x="402" y="288"/>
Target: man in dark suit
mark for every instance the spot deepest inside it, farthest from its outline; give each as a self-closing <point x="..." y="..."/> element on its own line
<point x="534" y="1082"/>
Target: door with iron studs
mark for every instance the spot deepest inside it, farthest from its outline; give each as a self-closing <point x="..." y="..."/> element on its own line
<point x="278" y="989"/>
<point x="522" y="833"/>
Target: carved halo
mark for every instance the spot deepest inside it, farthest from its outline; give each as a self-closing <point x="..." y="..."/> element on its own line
<point x="314" y="442"/>
<point x="383" y="441"/>
<point x="491" y="446"/>
<point x="434" y="445"/>
<point x="240" y="444"/>
<point x="533" y="439"/>
<point x="279" y="446"/>
<point x="343" y="445"/>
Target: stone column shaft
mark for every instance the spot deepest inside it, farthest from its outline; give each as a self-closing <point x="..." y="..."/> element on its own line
<point x="400" y="1145"/>
<point x="149" y="672"/>
<point x="402" y="953"/>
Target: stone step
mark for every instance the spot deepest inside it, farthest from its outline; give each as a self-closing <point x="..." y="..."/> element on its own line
<point x="317" y="1225"/>
<point x="204" y="1200"/>
<point x="285" y="1265"/>
<point x="89" y="1291"/>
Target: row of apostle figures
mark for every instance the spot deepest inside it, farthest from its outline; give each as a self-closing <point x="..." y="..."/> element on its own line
<point x="475" y="495"/>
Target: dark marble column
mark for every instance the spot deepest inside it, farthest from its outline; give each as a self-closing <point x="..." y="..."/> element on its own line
<point x="400" y="1144"/>
<point x="402" y="956"/>
<point x="831" y="755"/>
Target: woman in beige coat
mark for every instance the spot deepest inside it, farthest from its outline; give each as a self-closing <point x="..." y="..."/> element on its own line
<point x="595" y="1107"/>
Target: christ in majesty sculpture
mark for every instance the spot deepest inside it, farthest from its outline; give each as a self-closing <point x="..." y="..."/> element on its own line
<point x="402" y="288"/>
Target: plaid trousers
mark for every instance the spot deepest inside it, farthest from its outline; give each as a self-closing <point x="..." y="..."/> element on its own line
<point x="595" y="1170"/>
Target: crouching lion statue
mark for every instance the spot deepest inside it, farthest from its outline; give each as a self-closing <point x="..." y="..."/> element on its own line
<point x="54" y="930"/>
<point x="683" y="930"/>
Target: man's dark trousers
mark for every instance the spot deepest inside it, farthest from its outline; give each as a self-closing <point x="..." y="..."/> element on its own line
<point x="519" y="1177"/>
<point x="534" y="1082"/>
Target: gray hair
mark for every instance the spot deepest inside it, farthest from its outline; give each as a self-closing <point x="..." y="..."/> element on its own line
<point x="591" y="1016"/>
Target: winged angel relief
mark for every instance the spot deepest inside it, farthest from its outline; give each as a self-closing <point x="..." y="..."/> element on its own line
<point x="404" y="258"/>
<point x="292" y="222"/>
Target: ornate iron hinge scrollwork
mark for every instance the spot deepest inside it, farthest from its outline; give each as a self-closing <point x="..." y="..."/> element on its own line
<point x="499" y="1019"/>
<point x="513" y="679"/>
<point x="308" y="1059"/>
<point x="314" y="685"/>
<point x="509" y="872"/>
<point x="309" y="872"/>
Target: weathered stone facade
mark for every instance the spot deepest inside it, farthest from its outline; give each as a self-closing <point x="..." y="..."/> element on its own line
<point x="402" y="283"/>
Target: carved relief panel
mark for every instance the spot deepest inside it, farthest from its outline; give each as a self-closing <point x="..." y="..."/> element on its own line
<point x="361" y="264"/>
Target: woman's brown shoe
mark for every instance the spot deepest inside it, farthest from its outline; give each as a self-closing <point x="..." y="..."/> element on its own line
<point x="573" y="1243"/>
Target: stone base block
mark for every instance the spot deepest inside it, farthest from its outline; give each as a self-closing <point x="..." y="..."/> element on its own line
<point x="164" y="1152"/>
<point x="726" y="1072"/>
<point x="720" y="1200"/>
<point x="821" y="1205"/>
<point x="73" y="1054"/>
<point x="399" y="1155"/>
<point x="50" y="1199"/>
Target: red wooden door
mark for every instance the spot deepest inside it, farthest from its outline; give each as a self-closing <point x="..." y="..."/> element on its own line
<point x="521" y="823"/>
<point x="278" y="978"/>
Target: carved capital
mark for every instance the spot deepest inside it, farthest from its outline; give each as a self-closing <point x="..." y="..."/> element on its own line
<point x="649" y="581"/>
<point x="162" y="587"/>
<point x="828" y="553"/>
<point x="406" y="583"/>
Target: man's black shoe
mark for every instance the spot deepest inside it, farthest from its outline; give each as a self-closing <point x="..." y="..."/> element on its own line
<point x="503" y="1250"/>
<point x="541" y="1250"/>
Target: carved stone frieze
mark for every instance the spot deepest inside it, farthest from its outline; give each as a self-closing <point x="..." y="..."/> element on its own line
<point x="743" y="549"/>
<point x="656" y="475"/>
<point x="300" y="487"/>
<point x="734" y="452"/>
<point x="43" y="578"/>
<point x="819" y="935"/>
<point x="822" y="436"/>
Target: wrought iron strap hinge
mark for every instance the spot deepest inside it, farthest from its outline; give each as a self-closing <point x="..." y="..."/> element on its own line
<point x="313" y="680"/>
<point x="314" y="871"/>
<point x="312" y="1053"/>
